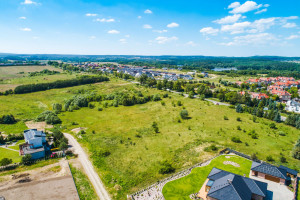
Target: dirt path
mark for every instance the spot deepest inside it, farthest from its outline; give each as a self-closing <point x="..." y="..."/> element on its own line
<point x="88" y="168"/>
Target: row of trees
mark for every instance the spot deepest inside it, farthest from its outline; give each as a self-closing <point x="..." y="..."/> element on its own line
<point x="59" y="84"/>
<point x="44" y="72"/>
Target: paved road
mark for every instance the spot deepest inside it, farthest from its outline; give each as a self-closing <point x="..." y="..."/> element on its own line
<point x="218" y="103"/>
<point x="88" y="168"/>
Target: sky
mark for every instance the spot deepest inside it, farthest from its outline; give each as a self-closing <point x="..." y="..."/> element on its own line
<point x="150" y="27"/>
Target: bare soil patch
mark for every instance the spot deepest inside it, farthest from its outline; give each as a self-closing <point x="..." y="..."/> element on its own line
<point x="41" y="126"/>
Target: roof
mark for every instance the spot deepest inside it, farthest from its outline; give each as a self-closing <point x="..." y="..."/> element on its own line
<point x="33" y="133"/>
<point x="28" y="150"/>
<point x="269" y="169"/>
<point x="231" y="186"/>
<point x="288" y="170"/>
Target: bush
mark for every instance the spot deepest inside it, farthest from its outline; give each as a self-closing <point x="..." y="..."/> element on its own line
<point x="26" y="159"/>
<point x="49" y="117"/>
<point x="5" y="161"/>
<point x="282" y="133"/>
<point x="165" y="95"/>
<point x="282" y="159"/>
<point x="91" y="106"/>
<point x="238" y="128"/>
<point x="163" y="103"/>
<point x="184" y="114"/>
<point x="211" y="148"/>
<point x="254" y="157"/>
<point x="272" y="126"/>
<point x="179" y="103"/>
<point x="100" y="109"/>
<point x="7" y="119"/>
<point x="236" y="139"/>
<point x="166" y="168"/>
<point x="238" y="119"/>
<point x="225" y="118"/>
<point x="270" y="158"/>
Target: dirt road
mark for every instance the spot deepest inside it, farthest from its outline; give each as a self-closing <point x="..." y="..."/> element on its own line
<point x="88" y="168"/>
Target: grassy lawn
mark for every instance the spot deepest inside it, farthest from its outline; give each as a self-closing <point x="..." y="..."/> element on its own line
<point x="6" y="153"/>
<point x="84" y="187"/>
<point x="181" y="188"/>
<point x="135" y="150"/>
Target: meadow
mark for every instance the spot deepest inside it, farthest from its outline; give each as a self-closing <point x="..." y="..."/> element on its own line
<point x="125" y="149"/>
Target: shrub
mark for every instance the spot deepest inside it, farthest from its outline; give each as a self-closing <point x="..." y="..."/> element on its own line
<point x="100" y="109"/>
<point x="238" y="128"/>
<point x="211" y="148"/>
<point x="81" y="132"/>
<point x="254" y="156"/>
<point x="163" y="103"/>
<point x="166" y="168"/>
<point x="5" y="161"/>
<point x="179" y="103"/>
<point x="91" y="106"/>
<point x="282" y="159"/>
<point x="26" y="159"/>
<point x="238" y="119"/>
<point x="184" y="114"/>
<point x="155" y="127"/>
<point x="282" y="133"/>
<point x="270" y="158"/>
<point x="156" y="97"/>
<point x="165" y="95"/>
<point x="272" y="126"/>
<point x="7" y="119"/>
<point x="236" y="139"/>
<point x="225" y="118"/>
<point x="49" y="117"/>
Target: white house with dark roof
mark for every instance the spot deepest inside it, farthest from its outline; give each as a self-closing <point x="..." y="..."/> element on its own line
<point x="35" y="144"/>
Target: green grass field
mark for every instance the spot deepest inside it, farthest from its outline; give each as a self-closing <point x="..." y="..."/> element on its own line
<point x="136" y="152"/>
<point x="180" y="189"/>
<point x="7" y="153"/>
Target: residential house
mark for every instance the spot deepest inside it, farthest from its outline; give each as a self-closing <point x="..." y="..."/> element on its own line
<point x="259" y="96"/>
<point x="283" y="95"/>
<point x="292" y="106"/>
<point x="35" y="144"/>
<point x="269" y="172"/>
<point x="223" y="185"/>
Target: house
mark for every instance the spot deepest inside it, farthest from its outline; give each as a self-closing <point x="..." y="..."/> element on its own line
<point x="35" y="144"/>
<point x="293" y="106"/>
<point x="223" y="185"/>
<point x="269" y="172"/>
<point x="259" y="96"/>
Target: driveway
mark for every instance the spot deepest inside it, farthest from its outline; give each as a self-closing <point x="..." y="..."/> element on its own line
<point x="275" y="190"/>
<point x="88" y="168"/>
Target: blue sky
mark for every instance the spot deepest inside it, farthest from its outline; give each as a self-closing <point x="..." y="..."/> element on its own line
<point x="151" y="27"/>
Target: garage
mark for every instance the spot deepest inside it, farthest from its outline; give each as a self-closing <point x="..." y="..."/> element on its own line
<point x="272" y="178"/>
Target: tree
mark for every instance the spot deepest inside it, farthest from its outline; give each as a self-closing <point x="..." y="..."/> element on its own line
<point x="184" y="114"/>
<point x="296" y="150"/>
<point x="166" y="168"/>
<point x="254" y="157"/>
<point x="49" y="117"/>
<point x="63" y="146"/>
<point x="57" y="107"/>
<point x="26" y="159"/>
<point x="5" y="161"/>
<point x="277" y="117"/>
<point x="239" y="108"/>
<point x="7" y="119"/>
<point x="155" y="127"/>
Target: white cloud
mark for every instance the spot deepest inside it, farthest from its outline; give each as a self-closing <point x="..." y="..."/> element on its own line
<point x="234" y="5"/>
<point x="35" y="37"/>
<point x="209" y="31"/>
<point x="113" y="32"/>
<point x="105" y="20"/>
<point x="261" y="11"/>
<point x="291" y="17"/>
<point x="147" y="26"/>
<point x="25" y="29"/>
<point x="123" y="41"/>
<point x="252" y="39"/>
<point x="91" y="14"/>
<point x="172" y="25"/>
<point x="127" y="36"/>
<point x="291" y="37"/>
<point x="163" y="40"/>
<point x="148" y="11"/>
<point x="160" y="31"/>
<point x="264" y="23"/>
<point x="92" y="37"/>
<point x="22" y="18"/>
<point x="190" y="43"/>
<point x="289" y="25"/>
<point x="243" y="8"/>
<point x="267" y="5"/>
<point x="236" y="27"/>
<point x="229" y="19"/>
<point x="28" y="2"/>
<point x="139" y="17"/>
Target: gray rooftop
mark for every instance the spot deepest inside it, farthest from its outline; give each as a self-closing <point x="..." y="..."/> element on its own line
<point x="269" y="169"/>
<point x="234" y="187"/>
<point x="28" y="150"/>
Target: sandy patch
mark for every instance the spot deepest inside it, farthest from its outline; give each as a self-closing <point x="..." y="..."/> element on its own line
<point x="77" y="130"/>
<point x="231" y="163"/>
<point x="41" y="126"/>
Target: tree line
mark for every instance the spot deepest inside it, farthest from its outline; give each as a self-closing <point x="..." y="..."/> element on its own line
<point x="22" y="89"/>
